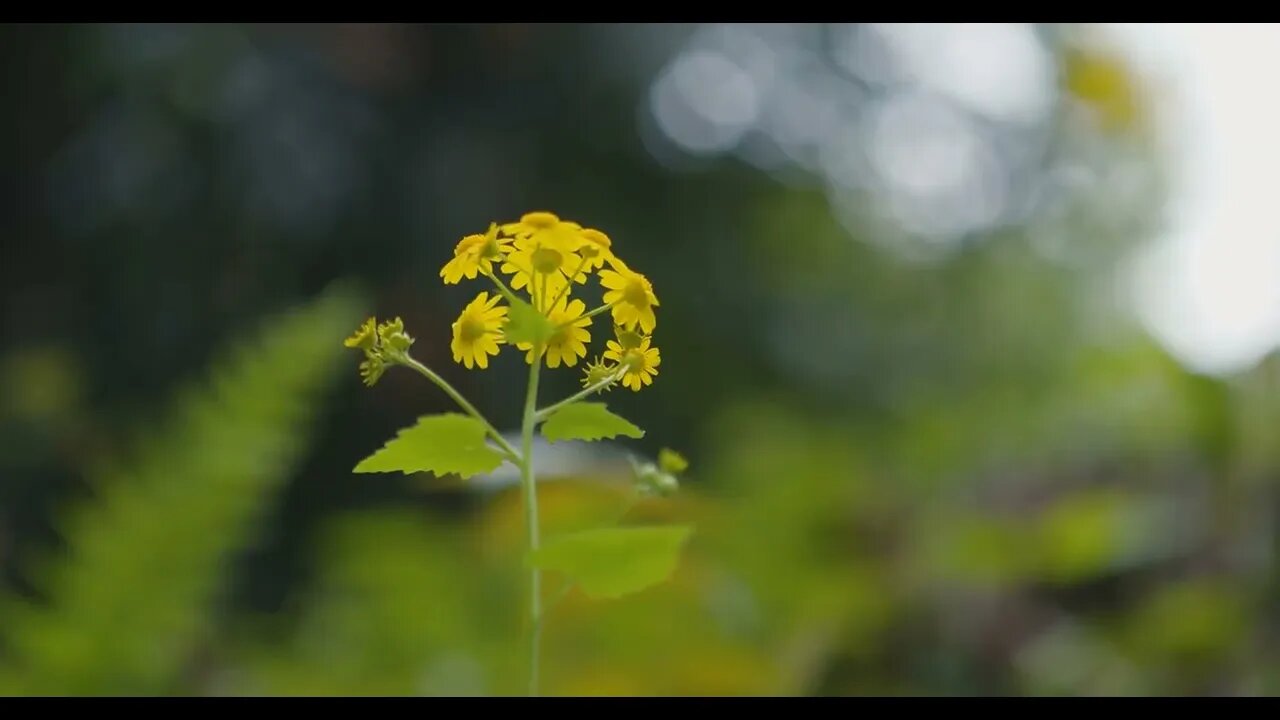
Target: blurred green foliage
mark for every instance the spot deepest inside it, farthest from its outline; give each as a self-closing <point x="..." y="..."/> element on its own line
<point x="968" y="475"/>
<point x="135" y="592"/>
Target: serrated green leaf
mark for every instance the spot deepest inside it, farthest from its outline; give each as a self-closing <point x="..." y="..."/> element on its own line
<point x="612" y="562"/>
<point x="440" y="444"/>
<point x="525" y="324"/>
<point x="587" y="421"/>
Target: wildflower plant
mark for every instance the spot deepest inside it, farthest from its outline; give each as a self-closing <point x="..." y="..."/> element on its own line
<point x="547" y="263"/>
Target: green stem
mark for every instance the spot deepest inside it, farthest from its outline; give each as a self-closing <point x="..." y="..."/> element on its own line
<point x="568" y="285"/>
<point x="544" y="413"/>
<point x="593" y="313"/>
<point x="502" y="287"/>
<point x="528" y="483"/>
<point x="509" y="451"/>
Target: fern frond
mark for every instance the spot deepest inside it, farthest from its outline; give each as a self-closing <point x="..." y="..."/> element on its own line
<point x="131" y="598"/>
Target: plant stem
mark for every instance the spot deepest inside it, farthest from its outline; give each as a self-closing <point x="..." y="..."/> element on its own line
<point x="528" y="482"/>
<point x="510" y="452"/>
<point x="565" y="290"/>
<point x="502" y="287"/>
<point x="593" y="313"/>
<point x="545" y="412"/>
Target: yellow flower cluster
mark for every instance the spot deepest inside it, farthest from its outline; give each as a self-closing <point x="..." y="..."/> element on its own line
<point x="546" y="257"/>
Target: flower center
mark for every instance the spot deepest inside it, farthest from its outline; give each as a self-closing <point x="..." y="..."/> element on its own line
<point x="472" y="329"/>
<point x="635" y="294"/>
<point x="559" y="337"/>
<point x="634" y="360"/>
<point x="546" y="261"/>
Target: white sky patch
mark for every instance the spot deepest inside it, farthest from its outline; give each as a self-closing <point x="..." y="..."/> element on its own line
<point x="1209" y="289"/>
<point x="998" y="70"/>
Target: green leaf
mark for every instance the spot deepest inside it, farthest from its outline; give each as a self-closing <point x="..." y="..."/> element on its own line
<point x="612" y="562"/>
<point x="587" y="421"/>
<point x="671" y="461"/>
<point x="441" y="444"/>
<point x="526" y="325"/>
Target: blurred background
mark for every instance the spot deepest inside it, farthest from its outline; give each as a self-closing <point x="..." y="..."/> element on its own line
<point x="968" y="333"/>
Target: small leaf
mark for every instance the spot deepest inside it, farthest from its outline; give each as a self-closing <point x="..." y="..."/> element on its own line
<point x="440" y="444"/>
<point x="671" y="461"/>
<point x="587" y="421"/>
<point x="526" y="325"/>
<point x="612" y="562"/>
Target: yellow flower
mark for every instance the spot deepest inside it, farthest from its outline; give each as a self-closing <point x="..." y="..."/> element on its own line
<point x="543" y="271"/>
<point x="546" y="227"/>
<point x="641" y="363"/>
<point x="569" y="341"/>
<point x="474" y="254"/>
<point x="596" y="372"/>
<point x="478" y="331"/>
<point x="596" y="249"/>
<point x="365" y="337"/>
<point x="530" y="223"/>
<point x="631" y="296"/>
<point x="544" y="260"/>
